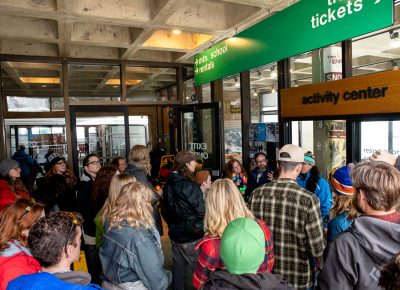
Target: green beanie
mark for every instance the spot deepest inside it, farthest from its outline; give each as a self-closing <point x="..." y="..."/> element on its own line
<point x="243" y="246"/>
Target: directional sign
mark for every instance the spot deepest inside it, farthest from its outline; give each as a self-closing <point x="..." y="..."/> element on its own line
<point x="304" y="26"/>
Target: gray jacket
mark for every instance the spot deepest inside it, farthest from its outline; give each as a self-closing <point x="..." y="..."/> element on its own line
<point x="352" y="261"/>
<point x="130" y="254"/>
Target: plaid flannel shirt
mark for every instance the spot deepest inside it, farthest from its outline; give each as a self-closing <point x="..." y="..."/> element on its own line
<point x="293" y="215"/>
<point x="210" y="259"/>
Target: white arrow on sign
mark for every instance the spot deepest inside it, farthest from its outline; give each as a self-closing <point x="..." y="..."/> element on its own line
<point x="196" y="62"/>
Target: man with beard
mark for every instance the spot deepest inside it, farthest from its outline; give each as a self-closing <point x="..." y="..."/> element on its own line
<point x="354" y="259"/>
<point x="263" y="173"/>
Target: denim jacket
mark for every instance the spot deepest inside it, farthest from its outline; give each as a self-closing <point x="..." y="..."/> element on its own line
<point x="130" y="254"/>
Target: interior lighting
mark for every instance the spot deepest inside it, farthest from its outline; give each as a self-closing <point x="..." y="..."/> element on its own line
<point x="237" y="84"/>
<point x="255" y="93"/>
<point x="394" y="65"/>
<point x="394" y="36"/>
<point x="273" y="72"/>
<point x="34" y="80"/>
<point x="273" y="90"/>
<point x="296" y="84"/>
<point x="114" y="82"/>
<point x="176" y="31"/>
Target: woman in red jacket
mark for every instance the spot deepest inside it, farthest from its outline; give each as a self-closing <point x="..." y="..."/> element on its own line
<point x="11" y="186"/>
<point x="16" y="219"/>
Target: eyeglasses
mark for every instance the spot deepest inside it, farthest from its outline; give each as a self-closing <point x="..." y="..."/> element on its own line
<point x="74" y="224"/>
<point x="30" y="204"/>
<point x="95" y="162"/>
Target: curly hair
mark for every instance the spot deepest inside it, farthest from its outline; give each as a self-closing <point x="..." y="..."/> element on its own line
<point x="390" y="274"/>
<point x="140" y="154"/>
<point x="133" y="206"/>
<point x="183" y="170"/>
<point x="101" y="184"/>
<point x="224" y="203"/>
<point x="17" y="217"/>
<point x="49" y="237"/>
<point x="229" y="168"/>
<point x="117" y="182"/>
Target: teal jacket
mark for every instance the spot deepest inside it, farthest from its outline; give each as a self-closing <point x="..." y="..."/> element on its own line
<point x="324" y="194"/>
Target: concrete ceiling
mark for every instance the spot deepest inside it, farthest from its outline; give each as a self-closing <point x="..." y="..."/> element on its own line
<point x="143" y="30"/>
<point x="121" y="29"/>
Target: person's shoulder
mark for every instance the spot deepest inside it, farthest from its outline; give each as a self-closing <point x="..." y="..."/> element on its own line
<point x="209" y="244"/>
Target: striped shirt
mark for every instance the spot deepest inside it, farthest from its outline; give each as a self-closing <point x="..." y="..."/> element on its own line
<point x="294" y="218"/>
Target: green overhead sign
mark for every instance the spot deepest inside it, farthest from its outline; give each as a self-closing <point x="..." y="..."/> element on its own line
<point x="304" y="26"/>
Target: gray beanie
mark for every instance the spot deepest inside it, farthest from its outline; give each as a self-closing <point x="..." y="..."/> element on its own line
<point x="6" y="165"/>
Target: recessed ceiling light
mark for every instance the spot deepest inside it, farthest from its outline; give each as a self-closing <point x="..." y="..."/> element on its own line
<point x="176" y="31"/>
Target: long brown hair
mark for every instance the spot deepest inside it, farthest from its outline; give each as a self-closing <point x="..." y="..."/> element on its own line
<point x="16" y="186"/>
<point x="70" y="177"/>
<point x="16" y="217"/>
<point x="341" y="204"/>
<point x="102" y="182"/>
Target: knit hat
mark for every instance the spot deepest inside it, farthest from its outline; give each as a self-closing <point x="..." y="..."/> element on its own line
<point x="291" y="153"/>
<point x="53" y="158"/>
<point x="242" y="246"/>
<point x="341" y="181"/>
<point x="201" y="176"/>
<point x="309" y="158"/>
<point x="6" y="165"/>
<point x="185" y="156"/>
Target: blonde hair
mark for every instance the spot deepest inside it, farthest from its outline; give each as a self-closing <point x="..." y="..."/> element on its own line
<point x="224" y="203"/>
<point x="140" y="154"/>
<point x="133" y="205"/>
<point x="117" y="182"/>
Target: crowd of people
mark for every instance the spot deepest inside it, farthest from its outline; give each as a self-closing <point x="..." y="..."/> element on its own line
<point x="280" y="227"/>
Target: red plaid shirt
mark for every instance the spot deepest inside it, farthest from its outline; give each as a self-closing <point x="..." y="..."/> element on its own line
<point x="210" y="259"/>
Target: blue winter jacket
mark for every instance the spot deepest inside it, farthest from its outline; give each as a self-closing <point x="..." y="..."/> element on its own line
<point x="338" y="225"/>
<point x="45" y="281"/>
<point x="129" y="254"/>
<point x="25" y="162"/>
<point x="323" y="192"/>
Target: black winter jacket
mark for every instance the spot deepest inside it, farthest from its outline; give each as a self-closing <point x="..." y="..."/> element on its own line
<point x="223" y="280"/>
<point x="183" y="209"/>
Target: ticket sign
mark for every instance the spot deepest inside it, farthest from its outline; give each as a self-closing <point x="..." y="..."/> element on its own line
<point x="372" y="94"/>
<point x="304" y="26"/>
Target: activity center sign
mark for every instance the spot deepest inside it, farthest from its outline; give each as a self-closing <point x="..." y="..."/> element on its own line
<point x="304" y="26"/>
<point x="371" y="94"/>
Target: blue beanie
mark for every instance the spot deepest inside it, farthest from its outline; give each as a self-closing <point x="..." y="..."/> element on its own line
<point x="341" y="181"/>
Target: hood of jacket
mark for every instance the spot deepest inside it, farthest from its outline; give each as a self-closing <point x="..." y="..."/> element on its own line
<point x="265" y="281"/>
<point x="75" y="277"/>
<point x="379" y="238"/>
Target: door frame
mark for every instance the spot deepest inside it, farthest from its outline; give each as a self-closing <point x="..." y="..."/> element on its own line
<point x="217" y="129"/>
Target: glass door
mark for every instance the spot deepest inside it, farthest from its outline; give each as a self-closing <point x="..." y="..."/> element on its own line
<point x="379" y="135"/>
<point x="107" y="132"/>
<point x="326" y="139"/>
<point x="200" y="133"/>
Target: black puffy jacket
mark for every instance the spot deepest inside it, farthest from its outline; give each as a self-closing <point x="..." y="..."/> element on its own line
<point x="183" y="209"/>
